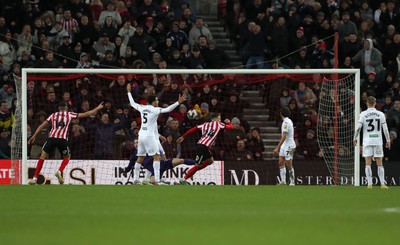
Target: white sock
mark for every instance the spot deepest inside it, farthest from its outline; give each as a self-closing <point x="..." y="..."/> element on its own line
<point x="147" y="175"/>
<point x="291" y="174"/>
<point x="381" y="174"/>
<point x="136" y="172"/>
<point x="282" y="172"/>
<point x="156" y="166"/>
<point x="368" y="173"/>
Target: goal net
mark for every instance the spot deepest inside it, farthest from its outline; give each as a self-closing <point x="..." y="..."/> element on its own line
<point x="323" y="103"/>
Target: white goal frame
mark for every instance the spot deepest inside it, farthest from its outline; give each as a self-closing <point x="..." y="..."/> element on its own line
<point x="26" y="71"/>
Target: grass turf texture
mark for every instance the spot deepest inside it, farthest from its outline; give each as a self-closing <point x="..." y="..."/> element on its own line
<point x="198" y="215"/>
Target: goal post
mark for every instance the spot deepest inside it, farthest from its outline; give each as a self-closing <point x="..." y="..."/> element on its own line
<point x="250" y="79"/>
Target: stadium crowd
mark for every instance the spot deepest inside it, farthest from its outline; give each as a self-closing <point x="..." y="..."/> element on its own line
<point x="167" y="34"/>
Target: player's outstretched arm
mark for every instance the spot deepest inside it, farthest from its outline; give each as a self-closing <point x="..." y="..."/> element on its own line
<point x="356" y="133"/>
<point x="228" y="124"/>
<point x="182" y="98"/>
<point x="182" y="138"/>
<point x="91" y="112"/>
<point x="39" y="129"/>
<point x="131" y="100"/>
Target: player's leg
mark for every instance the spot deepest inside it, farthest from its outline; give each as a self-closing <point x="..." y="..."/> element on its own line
<point x="367" y="154"/>
<point x="62" y="146"/>
<point x="156" y="166"/>
<point x="202" y="153"/>
<point x="282" y="170"/>
<point x="46" y="149"/>
<point x="179" y="161"/>
<point x="136" y="169"/>
<point x="289" y="165"/>
<point x="283" y="152"/>
<point x="378" y="154"/>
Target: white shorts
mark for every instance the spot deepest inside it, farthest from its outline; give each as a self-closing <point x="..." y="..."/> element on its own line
<point x="148" y="145"/>
<point x="373" y="151"/>
<point x="287" y="151"/>
<point x="160" y="149"/>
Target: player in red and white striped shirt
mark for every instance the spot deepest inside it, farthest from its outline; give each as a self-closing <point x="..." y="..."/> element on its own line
<point x="209" y="132"/>
<point x="58" y="137"/>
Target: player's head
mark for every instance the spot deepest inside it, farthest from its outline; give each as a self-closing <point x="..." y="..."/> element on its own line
<point x="285" y="111"/>
<point x="215" y="116"/>
<point x="371" y="101"/>
<point x="63" y="106"/>
<point x="152" y="100"/>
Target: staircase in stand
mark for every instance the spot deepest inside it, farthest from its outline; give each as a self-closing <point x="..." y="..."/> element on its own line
<point x="222" y="40"/>
<point x="257" y="115"/>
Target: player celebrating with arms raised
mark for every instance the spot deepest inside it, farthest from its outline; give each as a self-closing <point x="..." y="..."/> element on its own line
<point x="209" y="132"/>
<point x="372" y="121"/>
<point x="149" y="143"/>
<point x="286" y="148"/>
<point x="58" y="137"/>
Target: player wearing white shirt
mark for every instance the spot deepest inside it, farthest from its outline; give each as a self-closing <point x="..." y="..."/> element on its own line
<point x="149" y="143"/>
<point x="286" y="148"/>
<point x="373" y="122"/>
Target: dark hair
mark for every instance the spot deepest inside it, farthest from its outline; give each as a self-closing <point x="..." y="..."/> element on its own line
<point x="151" y="99"/>
<point x="285" y="111"/>
<point x="214" y="115"/>
<point x="62" y="105"/>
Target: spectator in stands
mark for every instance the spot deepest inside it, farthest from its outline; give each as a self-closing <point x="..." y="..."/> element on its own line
<point x="387" y="104"/>
<point x="36" y="147"/>
<point x="110" y="12"/>
<point x="390" y="51"/>
<point x="205" y="112"/>
<point x="126" y="31"/>
<point x="393" y="116"/>
<point x="240" y="153"/>
<point x="295" y="114"/>
<point x="8" y="51"/>
<point x="65" y="53"/>
<point x="6" y="117"/>
<point x="255" y="47"/>
<point x="87" y="34"/>
<point x="234" y="106"/>
<point x="149" y="9"/>
<point x="394" y="91"/>
<point x="199" y="29"/>
<point x="177" y="36"/>
<point x="371" y="85"/>
<point x="285" y="98"/>
<point x="196" y="60"/>
<point x="77" y="137"/>
<point x="7" y="94"/>
<point x="321" y="54"/>
<point x="142" y="44"/>
<point x="103" y="132"/>
<point x="56" y="34"/>
<point x="346" y="26"/>
<point x="370" y="58"/>
<point x="166" y="49"/>
<point x="391" y="16"/>
<point x="171" y="148"/>
<point x="392" y="154"/>
<point x="394" y="66"/>
<point x="5" y="144"/>
<point x="308" y="148"/>
<point x="255" y="144"/>
<point x="173" y="129"/>
<point x="109" y="60"/>
<point x="237" y="133"/>
<point x="215" y="57"/>
<point x="100" y="47"/>
<point x="109" y="28"/>
<point x="304" y="97"/>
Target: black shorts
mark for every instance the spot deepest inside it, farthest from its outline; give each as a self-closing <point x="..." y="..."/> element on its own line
<point x="61" y="144"/>
<point x="203" y="153"/>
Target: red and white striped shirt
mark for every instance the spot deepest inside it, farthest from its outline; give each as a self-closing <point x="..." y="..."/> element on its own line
<point x="60" y="122"/>
<point x="209" y="132"/>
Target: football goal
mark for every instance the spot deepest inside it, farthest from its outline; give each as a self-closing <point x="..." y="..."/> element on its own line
<point x="324" y="105"/>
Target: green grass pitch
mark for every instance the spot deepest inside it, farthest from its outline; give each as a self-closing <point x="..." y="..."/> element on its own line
<point x="198" y="215"/>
